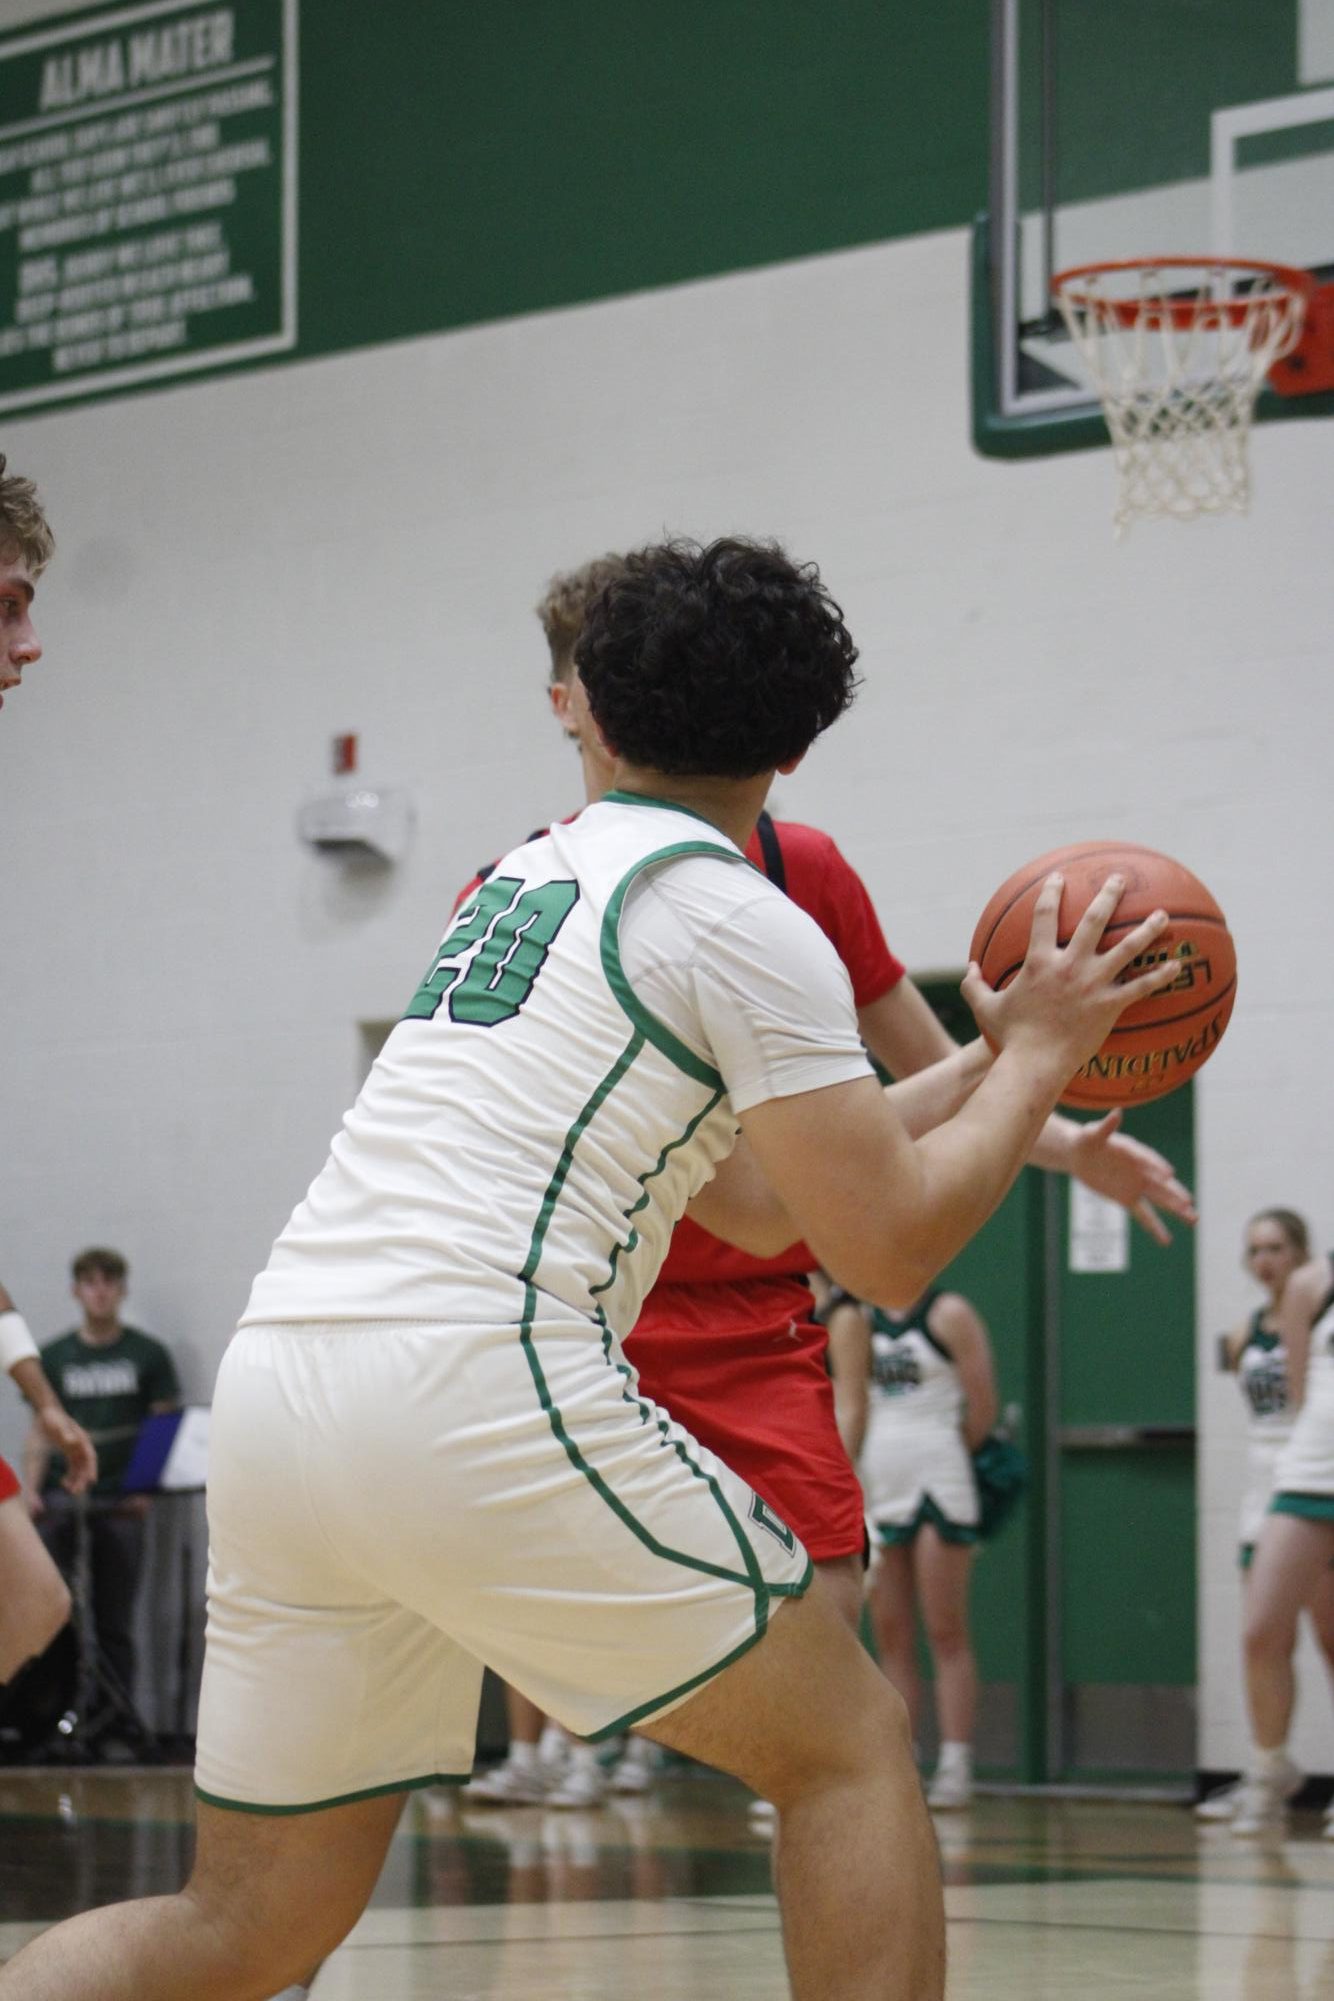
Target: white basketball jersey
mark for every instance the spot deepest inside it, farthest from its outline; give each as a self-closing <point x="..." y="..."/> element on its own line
<point x="913" y="1380"/>
<point x="531" y="1131"/>
<point x="1306" y="1464"/>
<point x="1262" y="1375"/>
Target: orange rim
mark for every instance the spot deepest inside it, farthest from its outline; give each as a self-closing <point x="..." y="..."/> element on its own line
<point x="1180" y="313"/>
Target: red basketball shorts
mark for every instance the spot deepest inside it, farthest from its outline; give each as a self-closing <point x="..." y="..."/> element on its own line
<point x="761" y="1398"/>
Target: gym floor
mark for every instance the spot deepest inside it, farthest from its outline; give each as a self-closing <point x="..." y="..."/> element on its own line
<point x="667" y="1897"/>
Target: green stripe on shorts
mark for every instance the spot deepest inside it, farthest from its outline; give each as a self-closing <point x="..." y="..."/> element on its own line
<point x="1311" y="1507"/>
<point x="894" y="1534"/>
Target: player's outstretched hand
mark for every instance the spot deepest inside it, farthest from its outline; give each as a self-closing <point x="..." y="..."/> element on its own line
<point x="1065" y="999"/>
<point x="72" y="1440"/>
<point x="1127" y="1171"/>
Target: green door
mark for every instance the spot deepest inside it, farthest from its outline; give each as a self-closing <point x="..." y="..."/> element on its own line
<point x="1084" y="1607"/>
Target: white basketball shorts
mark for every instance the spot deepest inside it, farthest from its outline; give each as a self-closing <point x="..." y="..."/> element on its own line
<point x="391" y="1505"/>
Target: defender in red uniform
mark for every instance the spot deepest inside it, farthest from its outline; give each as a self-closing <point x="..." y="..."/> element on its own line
<point x="729" y="1343"/>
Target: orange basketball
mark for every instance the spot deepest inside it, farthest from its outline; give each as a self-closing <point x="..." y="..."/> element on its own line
<point x="1160" y="1042"/>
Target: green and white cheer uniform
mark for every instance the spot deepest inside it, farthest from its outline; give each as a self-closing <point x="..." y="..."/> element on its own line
<point x="915" y="1466"/>
<point x="1304" y="1481"/>
<point x="428" y="1449"/>
<point x="1262" y="1374"/>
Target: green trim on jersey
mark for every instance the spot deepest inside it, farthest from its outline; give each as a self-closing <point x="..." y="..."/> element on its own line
<point x="1258" y="1336"/>
<point x="751" y="1577"/>
<point x="620" y="1250"/>
<point x="340" y="1799"/>
<point x="618" y="798"/>
<point x="566" y="1161"/>
<point x="914" y="1324"/>
<point x="648" y="1024"/>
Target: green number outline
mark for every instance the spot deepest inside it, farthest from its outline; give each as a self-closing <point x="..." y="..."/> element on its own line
<point x="513" y="929"/>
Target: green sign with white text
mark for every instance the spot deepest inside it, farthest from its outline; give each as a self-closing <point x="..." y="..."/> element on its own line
<point x="147" y="195"/>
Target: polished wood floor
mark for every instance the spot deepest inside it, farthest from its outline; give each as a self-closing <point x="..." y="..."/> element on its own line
<point x="667" y="1898"/>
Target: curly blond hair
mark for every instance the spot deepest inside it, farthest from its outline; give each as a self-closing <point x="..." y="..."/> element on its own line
<point x="24" y="528"/>
<point x="564" y="607"/>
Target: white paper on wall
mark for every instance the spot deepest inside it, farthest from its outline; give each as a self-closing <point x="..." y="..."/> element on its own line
<point x="1099" y="1232"/>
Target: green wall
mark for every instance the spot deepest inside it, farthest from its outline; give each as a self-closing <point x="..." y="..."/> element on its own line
<point x="462" y="163"/>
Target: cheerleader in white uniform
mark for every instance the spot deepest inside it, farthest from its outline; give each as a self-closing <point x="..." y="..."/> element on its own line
<point x="1296" y="1545"/>
<point x="1276" y="1244"/>
<point x="916" y="1392"/>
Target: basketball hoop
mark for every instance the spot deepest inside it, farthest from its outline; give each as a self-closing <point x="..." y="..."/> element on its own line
<point x="1177" y="348"/>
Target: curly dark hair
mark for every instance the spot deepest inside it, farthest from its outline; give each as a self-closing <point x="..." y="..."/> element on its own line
<point x="719" y="660"/>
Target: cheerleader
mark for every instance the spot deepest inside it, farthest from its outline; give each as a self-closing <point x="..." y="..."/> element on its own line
<point x="916" y="1393"/>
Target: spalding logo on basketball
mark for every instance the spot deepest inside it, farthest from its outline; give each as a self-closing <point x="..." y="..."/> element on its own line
<point x="1160" y="1042"/>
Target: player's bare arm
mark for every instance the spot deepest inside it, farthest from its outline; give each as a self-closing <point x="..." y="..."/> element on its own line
<point x="56" y="1428"/>
<point x="901" y="1032"/>
<point x="1230" y="1346"/>
<point x="960" y="1330"/>
<point x="740" y="1204"/>
<point x="849" y="1331"/>
<point x="885" y="1213"/>
<point x="52" y="1422"/>
<point x="1298" y="1310"/>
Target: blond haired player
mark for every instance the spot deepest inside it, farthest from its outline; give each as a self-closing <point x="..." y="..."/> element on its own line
<point x="34" y="1602"/>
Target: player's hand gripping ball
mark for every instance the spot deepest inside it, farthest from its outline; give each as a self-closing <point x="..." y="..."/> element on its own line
<point x="1160" y="1042"/>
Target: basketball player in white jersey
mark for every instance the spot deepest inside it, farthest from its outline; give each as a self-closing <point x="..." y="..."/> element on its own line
<point x="1276" y="1245"/>
<point x="428" y="1450"/>
<point x="1296" y="1544"/>
<point x="917" y="1396"/>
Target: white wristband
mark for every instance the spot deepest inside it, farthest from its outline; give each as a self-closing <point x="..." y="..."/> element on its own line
<point x="16" y="1343"/>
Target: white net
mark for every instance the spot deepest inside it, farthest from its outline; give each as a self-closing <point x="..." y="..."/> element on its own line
<point x="1178" y="351"/>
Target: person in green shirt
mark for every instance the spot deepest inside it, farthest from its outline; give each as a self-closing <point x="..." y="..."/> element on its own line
<point x="110" y="1377"/>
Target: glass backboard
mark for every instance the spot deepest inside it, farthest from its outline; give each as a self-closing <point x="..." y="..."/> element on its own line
<point x="1139" y="129"/>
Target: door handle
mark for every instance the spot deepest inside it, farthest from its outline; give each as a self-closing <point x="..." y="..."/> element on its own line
<point x="1123" y="1437"/>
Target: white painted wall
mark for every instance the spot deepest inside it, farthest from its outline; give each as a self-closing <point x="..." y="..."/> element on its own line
<point x="250" y="565"/>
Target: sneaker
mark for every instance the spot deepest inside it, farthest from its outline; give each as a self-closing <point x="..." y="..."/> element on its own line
<point x="950" y="1792"/>
<point x="635" y="1770"/>
<point x="577" y="1786"/>
<point x="506" y="1785"/>
<point x="1221" y="1804"/>
<point x="1262" y="1807"/>
<point x="553" y="1750"/>
<point x="762" y="1816"/>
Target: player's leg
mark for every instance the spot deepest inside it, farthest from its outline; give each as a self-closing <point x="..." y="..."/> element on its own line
<point x="844" y="1578"/>
<point x="806" y="1721"/>
<point x="1290" y="1557"/>
<point x="269" y="1897"/>
<point x="34" y="1598"/>
<point x="894" y="1625"/>
<point x="1224" y="1802"/>
<point x="1321" y="1608"/>
<point x="942" y="1572"/>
